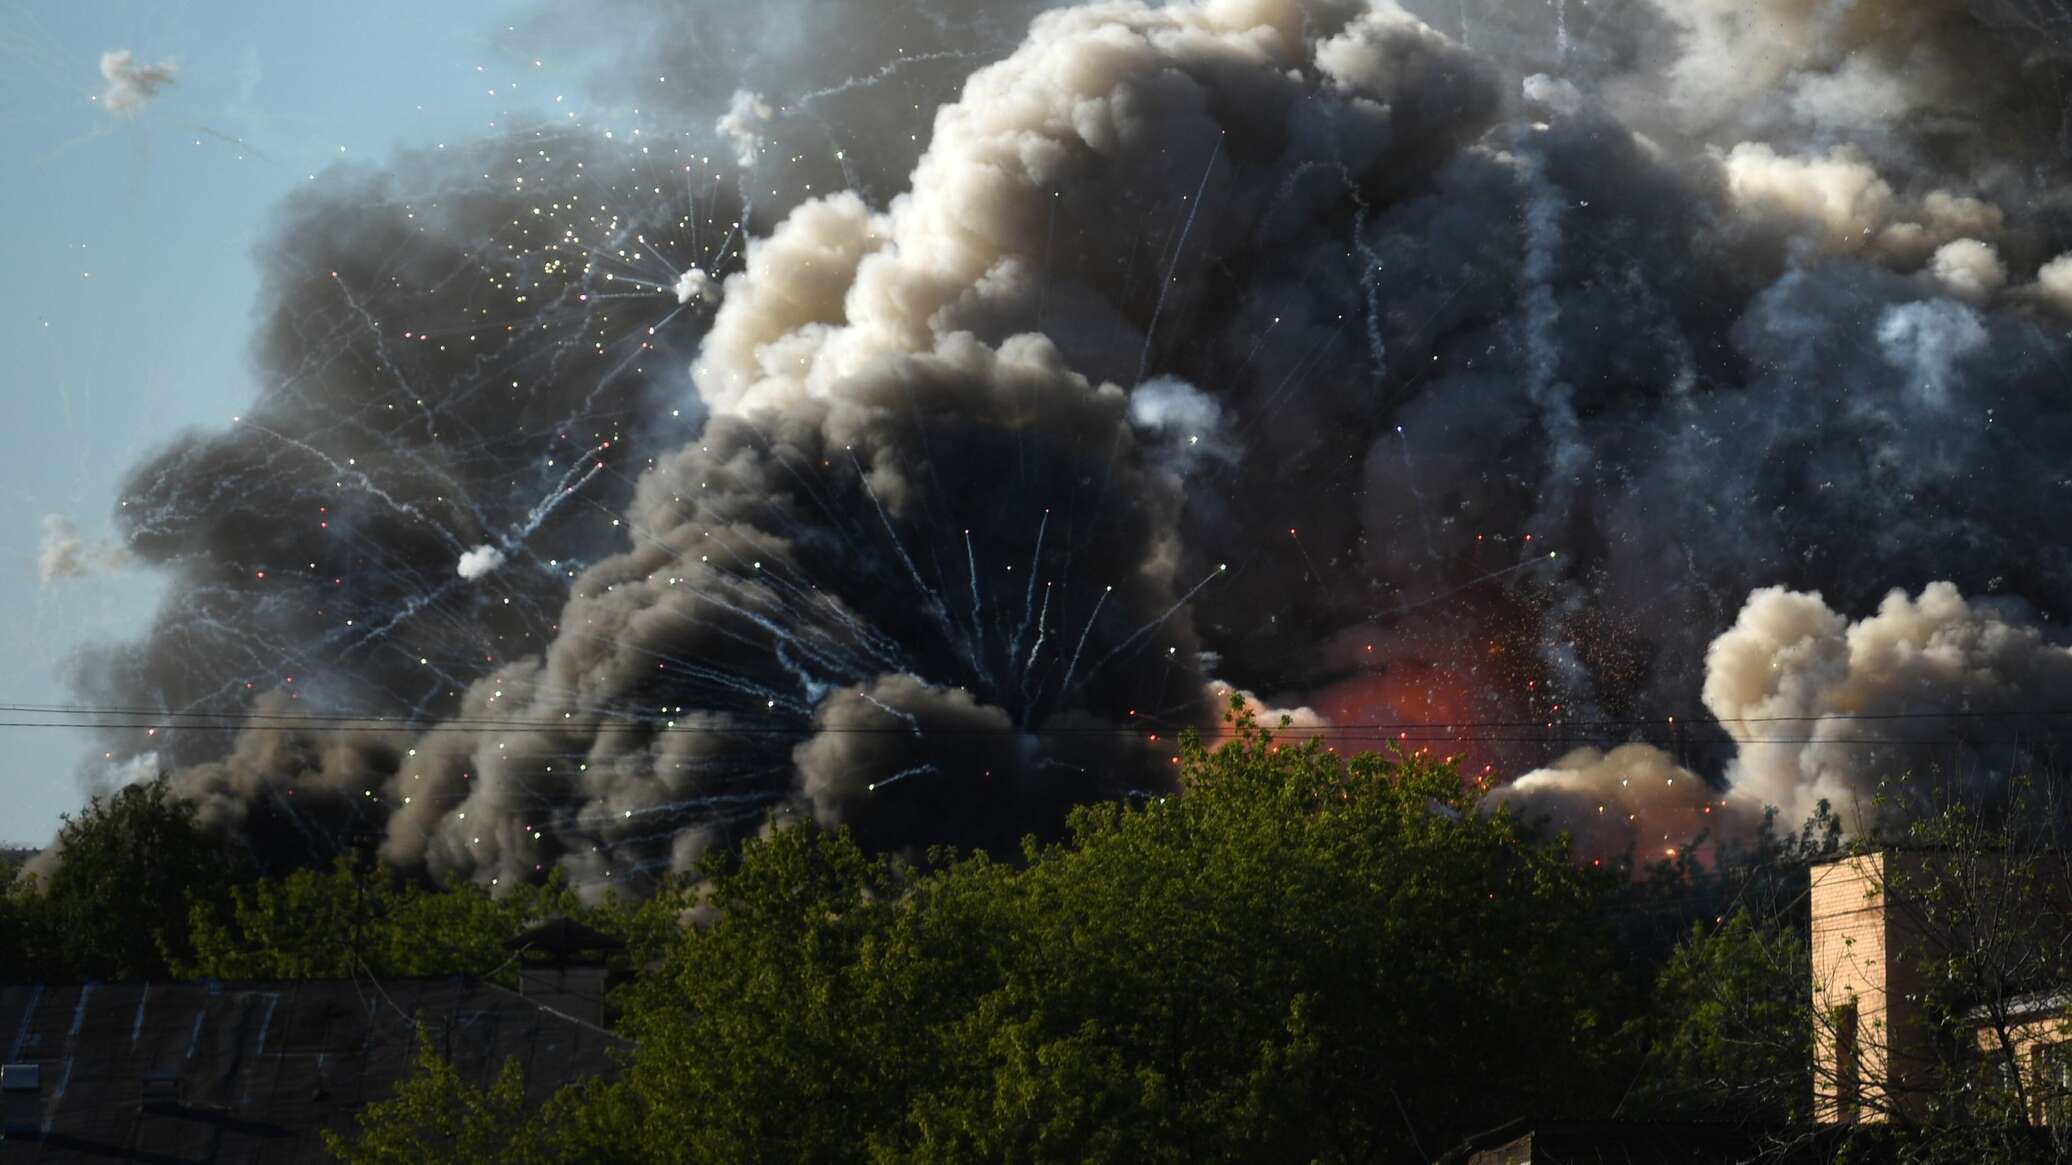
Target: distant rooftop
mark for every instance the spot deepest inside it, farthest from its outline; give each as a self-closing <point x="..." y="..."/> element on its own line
<point x="563" y="938"/>
<point x="252" y="1072"/>
<point x="1570" y="1142"/>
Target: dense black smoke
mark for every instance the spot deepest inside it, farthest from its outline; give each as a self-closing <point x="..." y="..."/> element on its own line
<point x="457" y="397"/>
<point x="1485" y="367"/>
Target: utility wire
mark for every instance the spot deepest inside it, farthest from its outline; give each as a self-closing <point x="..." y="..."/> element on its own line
<point x="72" y="716"/>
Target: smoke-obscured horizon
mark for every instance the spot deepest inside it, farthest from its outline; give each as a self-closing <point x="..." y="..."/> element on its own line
<point x="954" y="405"/>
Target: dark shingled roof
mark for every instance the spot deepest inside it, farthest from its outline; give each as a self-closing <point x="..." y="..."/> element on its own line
<point x="1603" y="1142"/>
<point x="260" y="1068"/>
<point x="564" y="938"/>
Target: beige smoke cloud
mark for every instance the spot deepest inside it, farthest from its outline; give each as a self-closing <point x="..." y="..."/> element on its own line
<point x="131" y="83"/>
<point x="1856" y="67"/>
<point x="1824" y="708"/>
<point x="1929" y="688"/>
<point x="66" y="554"/>
<point x="1633" y="799"/>
<point x="1847" y="208"/>
<point x="2053" y="285"/>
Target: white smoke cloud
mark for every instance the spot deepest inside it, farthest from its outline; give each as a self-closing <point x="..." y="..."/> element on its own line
<point x="1556" y="94"/>
<point x="1187" y="422"/>
<point x="1820" y="705"/>
<point x="66" y="554"/>
<point x="744" y="124"/>
<point x="1309" y="721"/>
<point x="132" y="770"/>
<point x="1843" y="67"/>
<point x="694" y="283"/>
<point x="1859" y="94"/>
<point x="132" y="84"/>
<point x="1840" y="193"/>
<point x="480" y="561"/>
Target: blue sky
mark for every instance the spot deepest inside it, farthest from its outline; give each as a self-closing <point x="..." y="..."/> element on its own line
<point x="129" y="241"/>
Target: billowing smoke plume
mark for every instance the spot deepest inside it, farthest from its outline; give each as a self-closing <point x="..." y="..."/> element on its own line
<point x="1455" y="376"/>
<point x="1634" y="800"/>
<point x="1931" y="687"/>
<point x="1931" y="697"/>
<point x="457" y="395"/>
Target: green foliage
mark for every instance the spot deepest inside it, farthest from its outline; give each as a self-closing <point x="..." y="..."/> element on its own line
<point x="437" y="1118"/>
<point x="16" y="912"/>
<point x="333" y="923"/>
<point x="109" y="910"/>
<point x="1983" y="893"/>
<point x="1979" y="911"/>
<point x="1730" y="1028"/>
<point x="1302" y="958"/>
<point x="1726" y="1031"/>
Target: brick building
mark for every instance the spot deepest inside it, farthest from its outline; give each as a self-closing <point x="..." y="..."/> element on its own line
<point x="1880" y="954"/>
<point x="1882" y="1051"/>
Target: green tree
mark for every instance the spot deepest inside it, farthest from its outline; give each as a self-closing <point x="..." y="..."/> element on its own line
<point x="435" y="1117"/>
<point x="332" y="923"/>
<point x="1725" y="1031"/>
<point x="1730" y="1032"/>
<point x="1982" y="895"/>
<point x="1979" y="898"/>
<point x="1301" y="958"/>
<point x="16" y="914"/>
<point x="114" y="906"/>
<point x="759" y="1039"/>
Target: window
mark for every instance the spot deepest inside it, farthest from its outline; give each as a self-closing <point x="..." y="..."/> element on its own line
<point x="2052" y="1096"/>
<point x="1848" y="1064"/>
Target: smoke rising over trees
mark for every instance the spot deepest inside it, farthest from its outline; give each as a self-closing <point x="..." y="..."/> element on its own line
<point x="1053" y="369"/>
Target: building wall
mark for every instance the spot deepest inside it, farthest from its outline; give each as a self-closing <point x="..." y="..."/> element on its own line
<point x="2048" y="1098"/>
<point x="1866" y="958"/>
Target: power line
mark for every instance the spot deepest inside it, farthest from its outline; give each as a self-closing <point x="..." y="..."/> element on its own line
<point x="1566" y="734"/>
<point x="341" y="722"/>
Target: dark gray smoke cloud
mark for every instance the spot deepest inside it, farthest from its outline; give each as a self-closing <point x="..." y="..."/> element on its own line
<point x="455" y="371"/>
<point x="1479" y="362"/>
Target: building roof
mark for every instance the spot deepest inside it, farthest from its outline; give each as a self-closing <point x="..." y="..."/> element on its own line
<point x="257" y="1070"/>
<point x="563" y="938"/>
<point x="2027" y="1007"/>
<point x="1584" y="1142"/>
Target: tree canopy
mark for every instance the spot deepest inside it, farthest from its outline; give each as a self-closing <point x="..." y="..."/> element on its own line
<point x="1302" y="958"/>
<point x="115" y="906"/>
